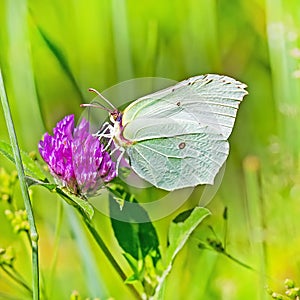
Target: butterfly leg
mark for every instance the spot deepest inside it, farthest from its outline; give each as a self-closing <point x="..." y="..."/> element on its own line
<point x="109" y="143"/>
<point x="107" y="132"/>
<point x="122" y="151"/>
<point x="103" y="131"/>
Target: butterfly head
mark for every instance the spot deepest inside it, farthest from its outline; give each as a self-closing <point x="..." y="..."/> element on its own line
<point x="116" y="116"/>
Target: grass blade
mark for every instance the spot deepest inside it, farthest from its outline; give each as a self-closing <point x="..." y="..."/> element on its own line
<point x="61" y="58"/>
<point x="24" y="189"/>
<point x="122" y="41"/>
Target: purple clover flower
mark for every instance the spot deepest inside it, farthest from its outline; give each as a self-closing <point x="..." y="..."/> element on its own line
<point x="76" y="157"/>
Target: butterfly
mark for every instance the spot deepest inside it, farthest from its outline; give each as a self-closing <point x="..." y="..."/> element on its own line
<point x="177" y="137"/>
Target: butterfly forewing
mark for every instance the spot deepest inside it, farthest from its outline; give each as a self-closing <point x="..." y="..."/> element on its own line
<point x="210" y="100"/>
<point x="150" y="128"/>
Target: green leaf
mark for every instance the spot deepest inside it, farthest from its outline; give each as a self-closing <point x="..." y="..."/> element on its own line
<point x="82" y="205"/>
<point x="131" y="279"/>
<point x="137" y="239"/>
<point x="137" y="236"/>
<point x="180" y="230"/>
<point x="31" y="168"/>
<point x="134" y="265"/>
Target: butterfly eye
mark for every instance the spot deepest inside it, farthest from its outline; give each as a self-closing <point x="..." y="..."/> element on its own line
<point x="181" y="145"/>
<point x="117" y="116"/>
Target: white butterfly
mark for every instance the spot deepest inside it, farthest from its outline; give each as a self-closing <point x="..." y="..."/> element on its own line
<point x="177" y="137"/>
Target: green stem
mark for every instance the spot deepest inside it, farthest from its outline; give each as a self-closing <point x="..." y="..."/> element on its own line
<point x="109" y="256"/>
<point x="24" y="189"/>
<point x="16" y="279"/>
<point x="237" y="261"/>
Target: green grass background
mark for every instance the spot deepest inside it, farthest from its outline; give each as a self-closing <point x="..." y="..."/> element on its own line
<point x="51" y="52"/>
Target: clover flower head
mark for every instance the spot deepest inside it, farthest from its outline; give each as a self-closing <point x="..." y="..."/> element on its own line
<point x="77" y="158"/>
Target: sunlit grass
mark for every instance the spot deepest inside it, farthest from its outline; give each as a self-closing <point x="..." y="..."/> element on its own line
<point x="51" y="53"/>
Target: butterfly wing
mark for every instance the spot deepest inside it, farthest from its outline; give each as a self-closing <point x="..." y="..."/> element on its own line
<point x="180" y="161"/>
<point x="211" y="100"/>
<point x="179" y="135"/>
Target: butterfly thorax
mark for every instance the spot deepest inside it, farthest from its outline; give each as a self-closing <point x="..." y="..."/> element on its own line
<point x="116" y="118"/>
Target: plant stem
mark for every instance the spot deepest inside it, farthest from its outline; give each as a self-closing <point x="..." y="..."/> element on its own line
<point x="24" y="189"/>
<point x="16" y="279"/>
<point x="237" y="261"/>
<point x="109" y="256"/>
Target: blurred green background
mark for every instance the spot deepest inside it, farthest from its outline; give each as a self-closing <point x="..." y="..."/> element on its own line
<point x="51" y="52"/>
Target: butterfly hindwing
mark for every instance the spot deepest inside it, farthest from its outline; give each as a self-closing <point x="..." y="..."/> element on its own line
<point x="177" y="162"/>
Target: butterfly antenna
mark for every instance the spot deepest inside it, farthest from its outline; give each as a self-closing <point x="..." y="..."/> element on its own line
<point x="101" y="96"/>
<point x="98" y="105"/>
